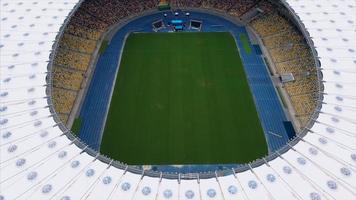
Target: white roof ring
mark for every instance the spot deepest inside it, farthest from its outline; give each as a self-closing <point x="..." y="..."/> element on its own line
<point x="38" y="162"/>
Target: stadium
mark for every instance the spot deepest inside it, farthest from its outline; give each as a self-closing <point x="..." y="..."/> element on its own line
<point x="178" y="99"/>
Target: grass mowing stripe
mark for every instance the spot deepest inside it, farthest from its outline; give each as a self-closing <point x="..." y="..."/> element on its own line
<point x="182" y="98"/>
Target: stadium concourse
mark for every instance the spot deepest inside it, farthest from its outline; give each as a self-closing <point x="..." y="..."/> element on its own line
<point x="41" y="159"/>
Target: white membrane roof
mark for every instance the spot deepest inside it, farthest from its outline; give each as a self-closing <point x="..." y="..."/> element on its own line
<point x="37" y="161"/>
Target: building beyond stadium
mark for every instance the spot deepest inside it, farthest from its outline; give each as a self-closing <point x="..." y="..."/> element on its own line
<point x="41" y="159"/>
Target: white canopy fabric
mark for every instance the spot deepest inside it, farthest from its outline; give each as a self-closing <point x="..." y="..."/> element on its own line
<point x="37" y="161"/>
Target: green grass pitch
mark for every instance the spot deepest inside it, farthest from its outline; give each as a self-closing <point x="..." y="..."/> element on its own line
<point x="245" y="43"/>
<point x="182" y="98"/>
